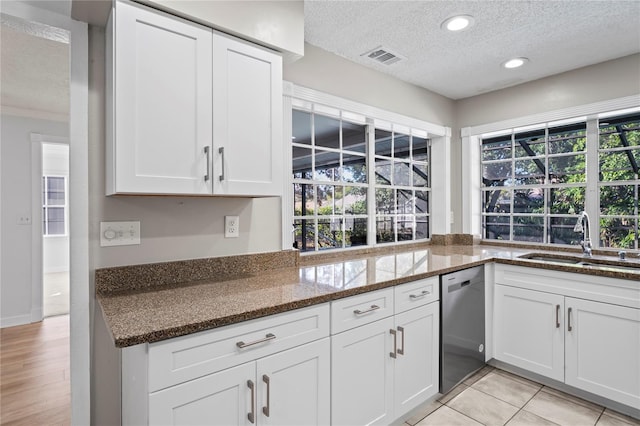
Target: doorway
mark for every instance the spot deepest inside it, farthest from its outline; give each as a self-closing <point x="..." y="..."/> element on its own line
<point x="54" y="176"/>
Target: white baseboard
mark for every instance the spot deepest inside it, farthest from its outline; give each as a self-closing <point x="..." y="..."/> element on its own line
<point x="37" y="314"/>
<point x="15" y="320"/>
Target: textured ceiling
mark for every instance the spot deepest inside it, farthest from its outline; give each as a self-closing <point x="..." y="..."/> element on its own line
<point x="556" y="36"/>
<point x="34" y="68"/>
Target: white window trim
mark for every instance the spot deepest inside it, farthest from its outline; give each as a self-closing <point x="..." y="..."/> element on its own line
<point x="471" y="174"/>
<point x="440" y="154"/>
<point x="65" y="206"/>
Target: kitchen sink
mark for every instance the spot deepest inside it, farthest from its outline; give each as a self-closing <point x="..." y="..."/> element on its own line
<point x="615" y="265"/>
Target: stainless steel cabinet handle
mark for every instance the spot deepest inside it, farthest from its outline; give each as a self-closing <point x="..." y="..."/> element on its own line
<point x="418" y="296"/>
<point x="401" y="350"/>
<point x="265" y="409"/>
<point x="569" y="328"/>
<point x="221" y="151"/>
<point x="252" y="414"/>
<point x="269" y="336"/>
<point x="395" y="343"/>
<point x="206" y="153"/>
<point x="371" y="309"/>
<point x="557" y="316"/>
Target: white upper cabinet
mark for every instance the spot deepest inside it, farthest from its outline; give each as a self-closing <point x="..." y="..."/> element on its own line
<point x="189" y="111"/>
<point x="162" y="103"/>
<point x="247" y="118"/>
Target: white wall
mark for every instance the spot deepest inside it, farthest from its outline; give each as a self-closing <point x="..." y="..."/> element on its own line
<point x="55" y="248"/>
<point x="276" y="24"/>
<point x="15" y="153"/>
<point x="329" y="73"/>
<point x="609" y="80"/>
<point x="600" y="82"/>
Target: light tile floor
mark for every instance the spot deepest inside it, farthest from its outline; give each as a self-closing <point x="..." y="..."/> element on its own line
<point x="495" y="397"/>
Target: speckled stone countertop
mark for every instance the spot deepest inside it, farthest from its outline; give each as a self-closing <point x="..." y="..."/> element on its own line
<point x="151" y="307"/>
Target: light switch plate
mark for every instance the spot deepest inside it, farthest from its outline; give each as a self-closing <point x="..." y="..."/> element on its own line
<point x="119" y="233"/>
<point x="231" y="226"/>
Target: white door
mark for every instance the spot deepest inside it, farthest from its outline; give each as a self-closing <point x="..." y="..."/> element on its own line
<point x="528" y="330"/>
<point x="603" y="350"/>
<point x="247" y="119"/>
<point x="222" y="399"/>
<point x="294" y="386"/>
<point x="417" y="362"/>
<point x="362" y="375"/>
<point x="163" y="103"/>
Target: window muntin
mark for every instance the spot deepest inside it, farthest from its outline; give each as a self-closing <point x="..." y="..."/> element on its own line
<point x="533" y="183"/>
<point x="329" y="182"/>
<point x="535" y="194"/>
<point x="330" y="158"/>
<point x="401" y="186"/>
<point x="619" y="180"/>
<point x="54" y="205"/>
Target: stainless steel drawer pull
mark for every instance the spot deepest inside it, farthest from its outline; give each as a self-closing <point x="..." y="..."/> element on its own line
<point x="268" y="337"/>
<point x="569" y="328"/>
<point x="401" y="350"/>
<point x="252" y="414"/>
<point x="221" y="152"/>
<point x="557" y="316"/>
<point x="371" y="309"/>
<point x="395" y="343"/>
<point x="206" y="153"/>
<point x="265" y="409"/>
<point x="418" y="296"/>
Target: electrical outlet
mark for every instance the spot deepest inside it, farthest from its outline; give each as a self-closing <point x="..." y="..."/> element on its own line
<point x="119" y="233"/>
<point x="24" y="220"/>
<point x="231" y="226"/>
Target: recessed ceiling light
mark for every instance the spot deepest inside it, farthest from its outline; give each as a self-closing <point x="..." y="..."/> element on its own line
<point x="457" y="23"/>
<point x="515" y="63"/>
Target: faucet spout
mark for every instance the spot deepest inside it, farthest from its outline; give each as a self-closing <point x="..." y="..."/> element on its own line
<point x="583" y="226"/>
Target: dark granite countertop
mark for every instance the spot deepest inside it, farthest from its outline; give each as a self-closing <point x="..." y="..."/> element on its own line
<point x="145" y="310"/>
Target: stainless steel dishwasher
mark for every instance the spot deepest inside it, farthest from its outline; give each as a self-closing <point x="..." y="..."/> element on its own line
<point x="461" y="326"/>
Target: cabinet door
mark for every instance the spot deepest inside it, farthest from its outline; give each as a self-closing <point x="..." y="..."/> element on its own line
<point x="362" y="375"/>
<point x="247" y="119"/>
<point x="603" y="350"/>
<point x="528" y="331"/>
<point x="222" y="398"/>
<point x="416" y="364"/>
<point x="294" y="386"/>
<point x="163" y="103"/>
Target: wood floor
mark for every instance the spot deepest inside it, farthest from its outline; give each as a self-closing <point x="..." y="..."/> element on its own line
<point x="34" y="373"/>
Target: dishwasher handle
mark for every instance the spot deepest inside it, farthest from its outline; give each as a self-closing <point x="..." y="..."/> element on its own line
<point x="457" y="286"/>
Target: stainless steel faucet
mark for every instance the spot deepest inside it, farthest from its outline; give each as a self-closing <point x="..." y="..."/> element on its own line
<point x="586" y="240"/>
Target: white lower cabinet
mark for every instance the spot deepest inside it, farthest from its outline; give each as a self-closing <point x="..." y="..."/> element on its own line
<point x="362" y="375"/>
<point x="559" y="333"/>
<point x="288" y="388"/>
<point x="417" y="366"/>
<point x="528" y="330"/>
<point x="217" y="399"/>
<point x="603" y="350"/>
<point x="384" y="369"/>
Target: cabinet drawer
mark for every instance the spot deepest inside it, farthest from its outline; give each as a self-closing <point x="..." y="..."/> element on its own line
<point x="362" y="309"/>
<point x="184" y="358"/>
<point x="416" y="293"/>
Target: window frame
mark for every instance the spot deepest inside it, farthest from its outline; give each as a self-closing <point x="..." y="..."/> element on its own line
<point x="471" y="163"/>
<point x="297" y="97"/>
<point x="46" y="206"/>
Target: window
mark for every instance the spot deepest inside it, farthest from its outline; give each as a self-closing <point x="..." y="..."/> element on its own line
<point x="356" y="181"/>
<point x="401" y="186"/>
<point x="534" y="182"/>
<point x="619" y="155"/>
<point x="54" y="205"/>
